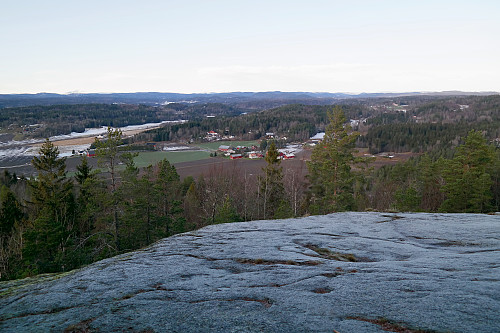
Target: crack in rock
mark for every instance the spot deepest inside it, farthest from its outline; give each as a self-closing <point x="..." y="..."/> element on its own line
<point x="46" y="312"/>
<point x="322" y="290"/>
<point x="391" y="326"/>
<point x="392" y="218"/>
<point x="81" y="327"/>
<point x="266" y="302"/>
<point x="277" y="262"/>
<point x="328" y="254"/>
<point x="311" y="275"/>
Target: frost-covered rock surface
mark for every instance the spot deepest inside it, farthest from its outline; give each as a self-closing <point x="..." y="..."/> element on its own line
<point x="347" y="272"/>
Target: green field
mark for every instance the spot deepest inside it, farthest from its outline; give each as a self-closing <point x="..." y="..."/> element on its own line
<point x="217" y="144"/>
<point x="146" y="158"/>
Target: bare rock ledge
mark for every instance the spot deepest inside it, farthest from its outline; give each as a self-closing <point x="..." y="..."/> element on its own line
<point x="345" y="272"/>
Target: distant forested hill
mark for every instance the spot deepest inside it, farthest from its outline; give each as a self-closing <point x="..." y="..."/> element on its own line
<point x="253" y="100"/>
<point x="45" y="121"/>
<point x="417" y="123"/>
<point x="434" y="125"/>
<point x="297" y="122"/>
<point x="414" y="123"/>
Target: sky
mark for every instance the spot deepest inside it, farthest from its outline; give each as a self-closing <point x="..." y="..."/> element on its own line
<point x="201" y="46"/>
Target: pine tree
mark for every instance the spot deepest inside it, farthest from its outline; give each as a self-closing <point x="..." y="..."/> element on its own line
<point x="467" y="176"/>
<point x="130" y="198"/>
<point x="193" y="207"/>
<point x="169" y="206"/>
<point x="10" y="211"/>
<point x="52" y="232"/>
<point x="226" y="213"/>
<point x="330" y="172"/>
<point x="11" y="224"/>
<point x="271" y="189"/>
<point x="84" y="177"/>
<point x="107" y="154"/>
<point x="83" y="170"/>
<point x="430" y="181"/>
<point x="94" y="217"/>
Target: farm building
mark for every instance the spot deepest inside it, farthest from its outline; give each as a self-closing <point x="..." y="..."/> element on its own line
<point x="255" y="154"/>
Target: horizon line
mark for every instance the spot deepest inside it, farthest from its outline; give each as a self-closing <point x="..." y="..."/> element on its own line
<point x="263" y="91"/>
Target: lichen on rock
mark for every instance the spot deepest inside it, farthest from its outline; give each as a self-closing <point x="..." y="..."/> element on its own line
<point x="340" y="272"/>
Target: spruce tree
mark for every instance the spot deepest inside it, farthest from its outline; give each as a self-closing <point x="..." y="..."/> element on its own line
<point x="430" y="181"/>
<point x="468" y="177"/>
<point x="83" y="171"/>
<point x="10" y="211"/>
<point x="226" y="212"/>
<point x="330" y="172"/>
<point x="11" y="229"/>
<point x="169" y="203"/>
<point x="93" y="218"/>
<point x="50" y="237"/>
<point x="107" y="154"/>
<point x="271" y="189"/>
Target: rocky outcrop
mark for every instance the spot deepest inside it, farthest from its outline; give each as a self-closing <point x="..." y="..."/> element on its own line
<point x="346" y="272"/>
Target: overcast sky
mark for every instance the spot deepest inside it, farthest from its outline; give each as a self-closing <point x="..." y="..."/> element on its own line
<point x="239" y="45"/>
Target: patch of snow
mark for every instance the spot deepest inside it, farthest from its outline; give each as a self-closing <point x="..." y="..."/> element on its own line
<point x="291" y="149"/>
<point x="86" y="133"/>
<point x="174" y="148"/>
<point x="318" y="136"/>
<point x="12" y="149"/>
<point x="150" y="125"/>
<point x="14" y="152"/>
<point x="13" y="143"/>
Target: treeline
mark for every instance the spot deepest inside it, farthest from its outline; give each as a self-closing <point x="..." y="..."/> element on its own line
<point x="435" y="138"/>
<point x="296" y="122"/>
<point x="380" y="118"/>
<point x="54" y="120"/>
<point x="432" y="125"/>
<point x="459" y="109"/>
<point x="55" y="223"/>
<point x="469" y="182"/>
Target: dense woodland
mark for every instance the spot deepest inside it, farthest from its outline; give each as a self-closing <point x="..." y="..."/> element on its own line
<point x="55" y="223"/>
<point x="435" y="126"/>
<point x="51" y="120"/>
<point x="412" y="123"/>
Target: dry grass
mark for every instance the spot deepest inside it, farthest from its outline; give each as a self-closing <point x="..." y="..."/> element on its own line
<point x="391" y="326"/>
<point x="328" y="254"/>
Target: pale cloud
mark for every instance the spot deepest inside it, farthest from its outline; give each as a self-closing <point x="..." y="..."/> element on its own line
<point x="203" y="46"/>
<point x="298" y="78"/>
<point x="280" y="70"/>
<point x="345" y="77"/>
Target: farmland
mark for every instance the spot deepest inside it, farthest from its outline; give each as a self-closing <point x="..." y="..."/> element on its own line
<point x="146" y="158"/>
<point x="217" y="144"/>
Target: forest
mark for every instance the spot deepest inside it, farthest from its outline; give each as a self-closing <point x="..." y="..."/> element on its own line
<point x="55" y="222"/>
<point x="45" y="121"/>
<point x="435" y="126"/>
<point x="411" y="123"/>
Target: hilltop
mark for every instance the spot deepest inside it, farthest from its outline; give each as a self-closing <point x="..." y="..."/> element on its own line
<point x="345" y="272"/>
<point x="159" y="98"/>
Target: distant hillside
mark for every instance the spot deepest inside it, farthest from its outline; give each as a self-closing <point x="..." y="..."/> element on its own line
<point x="157" y="98"/>
<point x="399" y="124"/>
<point x="49" y="120"/>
